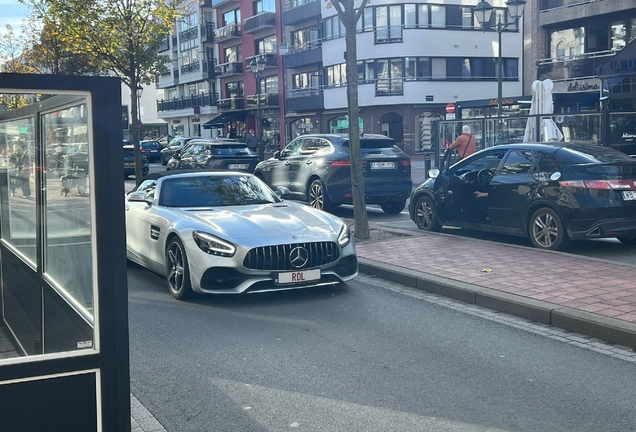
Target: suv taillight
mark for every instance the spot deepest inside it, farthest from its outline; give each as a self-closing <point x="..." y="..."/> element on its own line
<point x="341" y="163"/>
<point x="600" y="184"/>
<point x="406" y="162"/>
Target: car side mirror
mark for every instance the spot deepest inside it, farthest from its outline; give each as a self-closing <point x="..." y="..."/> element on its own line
<point x="433" y="173"/>
<point x="276" y="155"/>
<point x="282" y="191"/>
<point x="137" y="196"/>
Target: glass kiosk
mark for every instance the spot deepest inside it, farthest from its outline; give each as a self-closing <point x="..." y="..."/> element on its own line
<point x="63" y="292"/>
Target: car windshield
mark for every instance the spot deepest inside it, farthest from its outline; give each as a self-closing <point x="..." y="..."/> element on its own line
<point x="231" y="150"/>
<point x="215" y="190"/>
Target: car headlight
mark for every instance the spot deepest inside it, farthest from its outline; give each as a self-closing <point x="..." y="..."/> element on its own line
<point x="213" y="245"/>
<point x="344" y="238"/>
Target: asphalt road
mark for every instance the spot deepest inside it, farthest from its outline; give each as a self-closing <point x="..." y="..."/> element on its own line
<point x="363" y="357"/>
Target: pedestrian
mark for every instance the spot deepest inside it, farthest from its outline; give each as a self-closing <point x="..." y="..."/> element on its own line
<point x="466" y="143"/>
<point x="147" y="137"/>
<point x="20" y="164"/>
<point x="252" y="141"/>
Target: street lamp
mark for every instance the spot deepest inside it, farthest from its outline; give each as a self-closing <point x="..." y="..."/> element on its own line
<point x="256" y="66"/>
<point x="482" y="13"/>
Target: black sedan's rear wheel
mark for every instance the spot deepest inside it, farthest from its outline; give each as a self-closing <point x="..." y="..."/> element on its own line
<point x="178" y="273"/>
<point x="318" y="198"/>
<point x="425" y="216"/>
<point x="393" y="207"/>
<point x="628" y="240"/>
<point x="546" y="230"/>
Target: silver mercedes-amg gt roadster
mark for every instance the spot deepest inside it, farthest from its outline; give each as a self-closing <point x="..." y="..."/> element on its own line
<point x="223" y="232"/>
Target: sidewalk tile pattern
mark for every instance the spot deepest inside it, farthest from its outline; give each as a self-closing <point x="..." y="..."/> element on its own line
<point x="581" y="283"/>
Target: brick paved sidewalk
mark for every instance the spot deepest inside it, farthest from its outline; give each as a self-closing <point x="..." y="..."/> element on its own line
<point x="562" y="279"/>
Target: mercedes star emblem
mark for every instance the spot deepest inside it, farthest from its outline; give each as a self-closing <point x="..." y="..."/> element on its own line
<point x="298" y="257"/>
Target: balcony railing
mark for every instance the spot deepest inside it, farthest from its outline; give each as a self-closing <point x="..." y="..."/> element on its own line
<point x="389" y="87"/>
<point x="298" y="11"/>
<point x="270" y="59"/>
<point x="305" y="99"/>
<point x="188" y="34"/>
<point x="164" y="45"/>
<point x="230" y="104"/>
<point x="583" y="65"/>
<point x="555" y="4"/>
<point x="227" y="32"/>
<point x="262" y="21"/>
<point x="207" y="32"/>
<point x="189" y="68"/>
<point x="228" y="69"/>
<point x="186" y="102"/>
<point x="266" y="100"/>
<point x="291" y="4"/>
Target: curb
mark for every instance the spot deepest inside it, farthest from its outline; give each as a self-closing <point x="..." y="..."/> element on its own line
<point x="587" y="323"/>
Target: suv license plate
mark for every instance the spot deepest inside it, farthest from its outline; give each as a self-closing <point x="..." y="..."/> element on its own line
<point x="298" y="277"/>
<point x="382" y="165"/>
<point x="629" y="195"/>
<point x="237" y="166"/>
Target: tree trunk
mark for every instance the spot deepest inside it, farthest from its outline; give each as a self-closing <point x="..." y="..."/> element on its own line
<point x="135" y="127"/>
<point x="357" y="179"/>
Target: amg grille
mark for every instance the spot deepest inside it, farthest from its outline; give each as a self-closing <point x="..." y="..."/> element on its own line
<point x="278" y="257"/>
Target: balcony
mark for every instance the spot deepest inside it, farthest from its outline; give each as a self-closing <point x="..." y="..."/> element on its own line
<point x="305" y="99"/>
<point x="228" y="32"/>
<point x="260" y="22"/>
<point x="228" y="69"/>
<point x="389" y="87"/>
<point x="188" y="34"/>
<point x="190" y="68"/>
<point x="298" y="11"/>
<point x="221" y="3"/>
<point x="303" y="57"/>
<point x="186" y="102"/>
<point x="584" y="65"/>
<point x="230" y="104"/>
<point x="208" y="69"/>
<point x="270" y="59"/>
<point x="207" y="32"/>
<point x="164" y="45"/>
<point x="267" y="100"/>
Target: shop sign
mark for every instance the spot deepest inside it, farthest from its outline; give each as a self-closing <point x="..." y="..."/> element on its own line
<point x="622" y="65"/>
<point x="195" y="119"/>
<point x="176" y="121"/>
<point x="629" y="137"/>
<point x="504" y="101"/>
<point x="577" y="86"/>
<point x="450" y="116"/>
<point x="309" y="126"/>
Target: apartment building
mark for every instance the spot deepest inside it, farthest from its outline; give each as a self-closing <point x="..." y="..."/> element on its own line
<point x="414" y="58"/>
<point x="588" y="48"/>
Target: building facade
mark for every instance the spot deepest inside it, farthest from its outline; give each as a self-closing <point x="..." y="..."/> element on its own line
<point x="588" y="48"/>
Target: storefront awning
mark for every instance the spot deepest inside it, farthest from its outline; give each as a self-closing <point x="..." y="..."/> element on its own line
<point x="623" y="63"/>
<point x="221" y="119"/>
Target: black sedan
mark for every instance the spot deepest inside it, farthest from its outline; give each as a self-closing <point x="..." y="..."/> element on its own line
<point x="213" y="154"/>
<point x="151" y="149"/>
<point x="316" y="168"/>
<point x="551" y="193"/>
<point x="173" y="146"/>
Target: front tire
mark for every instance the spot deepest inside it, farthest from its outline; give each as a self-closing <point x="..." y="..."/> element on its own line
<point x="425" y="215"/>
<point x="628" y="240"/>
<point x="177" y="270"/>
<point x="393" y="207"/>
<point x="318" y="198"/>
<point x="546" y="230"/>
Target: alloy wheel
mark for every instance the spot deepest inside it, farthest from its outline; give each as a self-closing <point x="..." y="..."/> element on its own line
<point x="425" y="214"/>
<point x="176" y="264"/>
<point x="317" y="196"/>
<point x="545" y="230"/>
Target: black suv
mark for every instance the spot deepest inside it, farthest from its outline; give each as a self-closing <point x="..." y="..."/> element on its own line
<point x="213" y="154"/>
<point x="129" y="161"/>
<point x="316" y="168"/>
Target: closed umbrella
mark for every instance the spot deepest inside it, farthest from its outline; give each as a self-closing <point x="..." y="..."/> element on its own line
<point x="530" y="133"/>
<point x="549" y="128"/>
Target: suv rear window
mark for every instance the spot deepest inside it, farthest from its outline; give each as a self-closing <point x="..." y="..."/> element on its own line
<point x="231" y="150"/>
<point x="374" y="143"/>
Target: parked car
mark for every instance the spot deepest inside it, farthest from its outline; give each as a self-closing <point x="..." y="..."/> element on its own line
<point x="129" y="161"/>
<point x="213" y="154"/>
<point x="551" y="193"/>
<point x="151" y="149"/>
<point x="224" y="232"/>
<point x="316" y="168"/>
<point x="174" y="145"/>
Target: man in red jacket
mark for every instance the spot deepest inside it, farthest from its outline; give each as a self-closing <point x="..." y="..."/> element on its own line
<point x="466" y="143"/>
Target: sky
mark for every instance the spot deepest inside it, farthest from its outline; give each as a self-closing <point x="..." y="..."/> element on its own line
<point x="12" y="13"/>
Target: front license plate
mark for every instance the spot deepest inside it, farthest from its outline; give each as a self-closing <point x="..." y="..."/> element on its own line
<point x="298" y="277"/>
<point x="629" y="195"/>
<point x="382" y="165"/>
<point x="129" y="163"/>
<point x="237" y="166"/>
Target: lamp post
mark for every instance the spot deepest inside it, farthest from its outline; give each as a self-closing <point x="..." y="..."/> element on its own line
<point x="482" y="13"/>
<point x="256" y="66"/>
<point x="140" y="91"/>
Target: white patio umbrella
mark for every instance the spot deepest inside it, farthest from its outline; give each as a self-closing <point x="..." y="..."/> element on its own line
<point x="549" y="128"/>
<point x="531" y="125"/>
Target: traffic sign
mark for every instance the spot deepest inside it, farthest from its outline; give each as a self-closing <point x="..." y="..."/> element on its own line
<point x="450" y="108"/>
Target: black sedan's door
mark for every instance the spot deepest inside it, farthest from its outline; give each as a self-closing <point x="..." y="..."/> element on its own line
<point x="512" y="189"/>
<point x="187" y="159"/>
